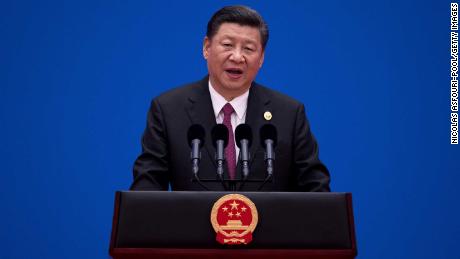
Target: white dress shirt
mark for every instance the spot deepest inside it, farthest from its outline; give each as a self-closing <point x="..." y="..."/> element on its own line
<point x="239" y="104"/>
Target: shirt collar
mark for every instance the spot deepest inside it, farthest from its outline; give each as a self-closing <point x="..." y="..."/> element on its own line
<point x="239" y="103"/>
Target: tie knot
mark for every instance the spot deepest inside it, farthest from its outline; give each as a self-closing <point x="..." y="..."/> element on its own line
<point x="228" y="109"/>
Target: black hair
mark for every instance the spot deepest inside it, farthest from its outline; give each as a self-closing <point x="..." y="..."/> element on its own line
<point x="241" y="15"/>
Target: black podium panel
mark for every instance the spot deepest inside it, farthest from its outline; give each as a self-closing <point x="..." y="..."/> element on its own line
<point x="146" y="219"/>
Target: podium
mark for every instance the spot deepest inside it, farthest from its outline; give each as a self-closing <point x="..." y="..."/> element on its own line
<point x="150" y="224"/>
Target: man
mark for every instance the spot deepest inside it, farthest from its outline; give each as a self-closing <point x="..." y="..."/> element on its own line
<point x="234" y="48"/>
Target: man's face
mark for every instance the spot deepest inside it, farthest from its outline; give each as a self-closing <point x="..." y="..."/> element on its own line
<point x="234" y="56"/>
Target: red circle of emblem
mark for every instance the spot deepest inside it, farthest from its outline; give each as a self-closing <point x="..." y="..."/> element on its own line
<point x="234" y="217"/>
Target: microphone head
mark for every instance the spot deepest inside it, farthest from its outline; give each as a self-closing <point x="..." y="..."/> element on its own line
<point x="243" y="131"/>
<point x="219" y="132"/>
<point x="268" y="131"/>
<point x="195" y="131"/>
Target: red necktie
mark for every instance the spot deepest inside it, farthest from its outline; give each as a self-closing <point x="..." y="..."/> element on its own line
<point x="230" y="152"/>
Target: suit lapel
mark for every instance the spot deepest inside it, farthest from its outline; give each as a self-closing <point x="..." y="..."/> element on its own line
<point x="258" y="103"/>
<point x="201" y="112"/>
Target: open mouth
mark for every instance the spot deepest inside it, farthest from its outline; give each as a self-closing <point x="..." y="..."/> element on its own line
<point x="234" y="71"/>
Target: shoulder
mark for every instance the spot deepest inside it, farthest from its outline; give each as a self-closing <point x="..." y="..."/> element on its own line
<point x="179" y="93"/>
<point x="275" y="97"/>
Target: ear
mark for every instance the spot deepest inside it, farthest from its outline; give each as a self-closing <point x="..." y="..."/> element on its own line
<point x="206" y="45"/>
<point x="261" y="61"/>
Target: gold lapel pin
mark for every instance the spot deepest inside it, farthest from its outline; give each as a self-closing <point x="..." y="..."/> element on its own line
<point x="268" y="115"/>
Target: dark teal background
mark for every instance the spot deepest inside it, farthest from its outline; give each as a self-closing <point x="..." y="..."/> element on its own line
<point x="76" y="79"/>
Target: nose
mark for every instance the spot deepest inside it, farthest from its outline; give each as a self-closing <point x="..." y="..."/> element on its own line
<point x="237" y="56"/>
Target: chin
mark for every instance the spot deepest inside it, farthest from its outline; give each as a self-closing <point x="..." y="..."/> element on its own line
<point x="235" y="87"/>
<point x="236" y="84"/>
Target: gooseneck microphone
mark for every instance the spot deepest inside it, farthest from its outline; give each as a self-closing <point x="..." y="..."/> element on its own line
<point x="268" y="139"/>
<point x="219" y="136"/>
<point x="243" y="137"/>
<point x="195" y="136"/>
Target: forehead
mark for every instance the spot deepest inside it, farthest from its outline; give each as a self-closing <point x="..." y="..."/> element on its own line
<point x="238" y="32"/>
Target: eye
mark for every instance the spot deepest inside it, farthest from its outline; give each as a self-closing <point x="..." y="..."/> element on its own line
<point x="249" y="49"/>
<point x="227" y="45"/>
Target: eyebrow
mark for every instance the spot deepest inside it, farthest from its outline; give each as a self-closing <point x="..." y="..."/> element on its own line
<point x="246" y="40"/>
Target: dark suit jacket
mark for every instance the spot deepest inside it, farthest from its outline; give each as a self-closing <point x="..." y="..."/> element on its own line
<point x="165" y="157"/>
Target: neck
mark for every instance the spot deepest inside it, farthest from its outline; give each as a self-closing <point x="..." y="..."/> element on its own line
<point x="228" y="95"/>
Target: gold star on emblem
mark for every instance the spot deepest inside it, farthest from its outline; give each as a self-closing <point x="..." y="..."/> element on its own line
<point x="238" y="214"/>
<point x="234" y="205"/>
<point x="230" y="214"/>
<point x="225" y="209"/>
<point x="243" y="209"/>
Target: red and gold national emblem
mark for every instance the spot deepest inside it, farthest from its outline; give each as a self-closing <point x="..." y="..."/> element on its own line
<point x="234" y="217"/>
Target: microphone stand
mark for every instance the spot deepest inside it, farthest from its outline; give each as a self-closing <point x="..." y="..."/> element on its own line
<point x="198" y="180"/>
<point x="232" y="183"/>
<point x="221" y="179"/>
<point x="220" y="159"/>
<point x="245" y="173"/>
<point x="268" y="178"/>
